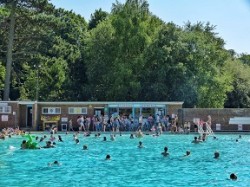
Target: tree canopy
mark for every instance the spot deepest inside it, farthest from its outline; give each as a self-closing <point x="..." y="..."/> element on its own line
<point x="129" y="54"/>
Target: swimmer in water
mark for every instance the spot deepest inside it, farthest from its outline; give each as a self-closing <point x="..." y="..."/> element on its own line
<point x="187" y="153"/>
<point x="132" y="136"/>
<point x="233" y="177"/>
<point x="165" y="153"/>
<point x="85" y="147"/>
<point x="112" y="137"/>
<point x="77" y="141"/>
<point x="55" y="163"/>
<point x="48" y="145"/>
<point x="108" y="157"/>
<point x="140" y="145"/>
<point x="104" y="139"/>
<point x="60" y="138"/>
<point x="24" y="144"/>
<point x="196" y="140"/>
<point x="216" y="154"/>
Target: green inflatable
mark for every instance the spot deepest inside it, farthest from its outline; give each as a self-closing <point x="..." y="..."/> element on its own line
<point x="30" y="144"/>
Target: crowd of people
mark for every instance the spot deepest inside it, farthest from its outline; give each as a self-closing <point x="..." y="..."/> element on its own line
<point x="8" y="132"/>
<point x="116" y="123"/>
<point x="151" y="126"/>
<point x="50" y="141"/>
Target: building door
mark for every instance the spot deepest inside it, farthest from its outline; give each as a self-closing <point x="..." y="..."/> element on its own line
<point x="29" y="116"/>
<point x="99" y="111"/>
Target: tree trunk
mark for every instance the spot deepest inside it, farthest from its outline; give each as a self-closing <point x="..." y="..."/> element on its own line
<point x="9" y="52"/>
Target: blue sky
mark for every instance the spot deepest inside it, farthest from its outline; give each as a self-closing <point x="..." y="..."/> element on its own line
<point x="231" y="17"/>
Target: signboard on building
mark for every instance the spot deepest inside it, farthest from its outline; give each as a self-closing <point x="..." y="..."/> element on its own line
<point x="240" y="127"/>
<point x="136" y="105"/>
<point x="4" y="118"/>
<point x="218" y="127"/>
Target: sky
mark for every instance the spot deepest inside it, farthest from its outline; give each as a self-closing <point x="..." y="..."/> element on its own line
<point x="231" y="17"/>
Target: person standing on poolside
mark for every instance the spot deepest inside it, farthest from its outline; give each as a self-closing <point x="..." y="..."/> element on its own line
<point x="140" y="122"/>
<point x="209" y="120"/>
<point x="70" y="125"/>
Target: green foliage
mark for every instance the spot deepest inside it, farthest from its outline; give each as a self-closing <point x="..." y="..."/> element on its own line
<point x="239" y="97"/>
<point x="245" y="58"/>
<point x="2" y="75"/>
<point x="126" y="55"/>
<point x="97" y="18"/>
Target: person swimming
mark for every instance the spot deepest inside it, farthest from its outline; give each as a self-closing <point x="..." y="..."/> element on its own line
<point x="216" y="154"/>
<point x="24" y="144"/>
<point x="187" y="153"/>
<point x="60" y="138"/>
<point x="41" y="139"/>
<point x="77" y="141"/>
<point x="132" y="136"/>
<point x="55" y="163"/>
<point x="140" y="145"/>
<point x="104" y="138"/>
<point x="233" y="176"/>
<point x="165" y="153"/>
<point x="112" y="137"/>
<point x="48" y="145"/>
<point x="108" y="157"/>
<point x="196" y="140"/>
<point x="85" y="147"/>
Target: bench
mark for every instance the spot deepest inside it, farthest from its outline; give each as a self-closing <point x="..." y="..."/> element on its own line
<point x="239" y="120"/>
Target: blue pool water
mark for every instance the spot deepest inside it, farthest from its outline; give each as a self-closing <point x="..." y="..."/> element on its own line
<point x="129" y="166"/>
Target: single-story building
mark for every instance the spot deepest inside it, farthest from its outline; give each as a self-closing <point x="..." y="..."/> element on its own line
<point x="35" y="115"/>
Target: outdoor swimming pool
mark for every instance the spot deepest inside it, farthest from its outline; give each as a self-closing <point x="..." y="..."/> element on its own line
<point x="129" y="165"/>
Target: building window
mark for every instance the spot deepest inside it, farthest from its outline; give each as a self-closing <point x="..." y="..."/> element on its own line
<point x="51" y="110"/>
<point x="78" y="110"/>
<point x="5" y="109"/>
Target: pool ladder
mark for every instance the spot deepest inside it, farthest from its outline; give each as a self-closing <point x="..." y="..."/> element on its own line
<point x="208" y="131"/>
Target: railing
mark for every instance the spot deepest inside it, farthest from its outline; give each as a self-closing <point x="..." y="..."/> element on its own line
<point x="209" y="131"/>
<point x="200" y="124"/>
<point x="200" y="129"/>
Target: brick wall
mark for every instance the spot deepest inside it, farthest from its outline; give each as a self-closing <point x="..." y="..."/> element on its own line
<point x="219" y="116"/>
<point x="173" y="109"/>
<point x="12" y="119"/>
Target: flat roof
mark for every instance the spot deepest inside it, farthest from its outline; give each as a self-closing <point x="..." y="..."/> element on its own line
<point x="94" y="102"/>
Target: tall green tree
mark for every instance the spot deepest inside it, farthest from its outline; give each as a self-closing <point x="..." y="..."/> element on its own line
<point x="187" y="64"/>
<point x="48" y="46"/>
<point x="97" y="17"/>
<point x="209" y="60"/>
<point x="16" y="8"/>
<point x="239" y="97"/>
<point x="59" y="56"/>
